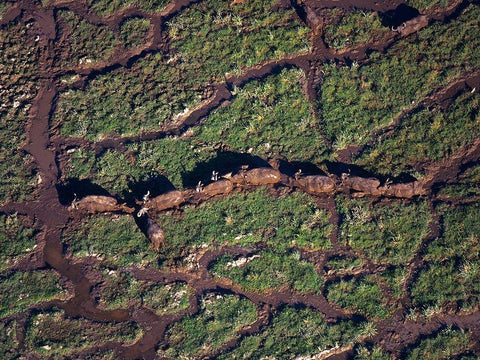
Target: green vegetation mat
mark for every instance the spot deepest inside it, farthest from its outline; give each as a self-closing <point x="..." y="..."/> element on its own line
<point x="18" y="79"/>
<point x="53" y="334"/>
<point x="215" y="38"/>
<point x="247" y="219"/>
<point x="269" y="117"/>
<point x="20" y="290"/>
<point x="17" y="238"/>
<point x="295" y="332"/>
<point x="370" y="96"/>
<point x="105" y="7"/>
<point x="352" y="28"/>
<point x="220" y="317"/>
<point x="87" y="43"/>
<point x="113" y="239"/>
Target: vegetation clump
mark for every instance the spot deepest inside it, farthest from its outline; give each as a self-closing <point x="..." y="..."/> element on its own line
<point x="372" y="95"/>
<point x="296" y="332"/>
<point x="220" y="319"/>
<point x="21" y="290"/>
<point x="52" y="333"/>
<point x="234" y="36"/>
<point x="18" y="87"/>
<point x="267" y="117"/>
<point x="87" y="43"/>
<point x="352" y="28"/>
<point x="17" y="238"/>
<point x="115" y="240"/>
<point x="134" y="32"/>
<point x="106" y="7"/>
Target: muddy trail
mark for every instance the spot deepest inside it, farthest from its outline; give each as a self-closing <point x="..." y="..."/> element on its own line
<point x="53" y="215"/>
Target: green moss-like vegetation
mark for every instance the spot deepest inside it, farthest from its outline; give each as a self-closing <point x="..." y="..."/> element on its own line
<point x="357" y="99"/>
<point x="468" y="185"/>
<point x="344" y="263"/>
<point x="156" y="93"/>
<point x="114" y="239"/>
<point x="88" y="43"/>
<point x="270" y="271"/>
<point x="121" y="290"/>
<point x="422" y="5"/>
<point x="246" y="219"/>
<point x="20" y="290"/>
<point x="448" y="344"/>
<point x="453" y="271"/>
<point x="134" y="32"/>
<point x="461" y="234"/>
<point x="385" y="233"/>
<point x="8" y="344"/>
<point x="295" y="332"/>
<point x="361" y="295"/>
<point x="215" y="38"/>
<point x="428" y="135"/>
<point x="55" y="335"/>
<point x="220" y="318"/>
<point x="17" y="237"/>
<point x="166" y="299"/>
<point x="353" y="28"/>
<point x="181" y="162"/>
<point x="270" y="116"/>
<point x="105" y="7"/>
<point x="3" y="9"/>
<point x="364" y="353"/>
<point x="18" y="57"/>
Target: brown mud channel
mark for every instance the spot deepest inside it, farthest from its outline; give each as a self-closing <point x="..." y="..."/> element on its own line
<point x="393" y="335"/>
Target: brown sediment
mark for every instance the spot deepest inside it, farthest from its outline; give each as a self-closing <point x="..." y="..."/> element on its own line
<point x="393" y="335"/>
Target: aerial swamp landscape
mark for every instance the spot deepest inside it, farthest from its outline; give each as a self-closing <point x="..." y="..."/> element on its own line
<point x="246" y="179"/>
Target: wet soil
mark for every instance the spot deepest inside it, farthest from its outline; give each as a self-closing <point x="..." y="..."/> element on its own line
<point x="52" y="213"/>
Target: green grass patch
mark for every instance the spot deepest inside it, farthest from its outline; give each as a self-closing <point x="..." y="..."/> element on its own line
<point x="422" y="5"/>
<point x="357" y="99"/>
<point x="20" y="290"/>
<point x="344" y="263"/>
<point x="17" y="238"/>
<point x="376" y="353"/>
<point x="121" y="290"/>
<point x="87" y="43"/>
<point x="8" y="343"/>
<point x="461" y="234"/>
<point x="134" y="32"/>
<point x="18" y="64"/>
<point x="246" y="219"/>
<point x="270" y="271"/>
<point x="3" y="9"/>
<point x="388" y="233"/>
<point x="351" y="28"/>
<point x="270" y="116"/>
<point x="361" y="295"/>
<point x="158" y="91"/>
<point x="295" y="332"/>
<point x="468" y="185"/>
<point x="445" y="282"/>
<point x="428" y="135"/>
<point x="220" y="318"/>
<point x="448" y="344"/>
<point x="453" y="271"/>
<point x="115" y="239"/>
<point x="215" y="38"/>
<point x="53" y="334"/>
<point x="106" y="7"/>
<point x="180" y="161"/>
